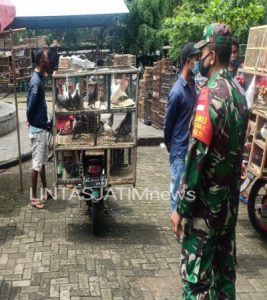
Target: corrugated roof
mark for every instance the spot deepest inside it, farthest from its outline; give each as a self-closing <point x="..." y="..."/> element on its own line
<point x="48" y="8"/>
<point x="53" y="14"/>
<point x="62" y="21"/>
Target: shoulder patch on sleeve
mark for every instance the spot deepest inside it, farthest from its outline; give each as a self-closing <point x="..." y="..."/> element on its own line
<point x="202" y="126"/>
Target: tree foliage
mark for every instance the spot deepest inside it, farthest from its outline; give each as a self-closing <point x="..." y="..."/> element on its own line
<point x="192" y="16"/>
<point x="139" y="30"/>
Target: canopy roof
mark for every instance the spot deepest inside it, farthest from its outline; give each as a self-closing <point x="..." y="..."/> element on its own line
<point x="64" y="14"/>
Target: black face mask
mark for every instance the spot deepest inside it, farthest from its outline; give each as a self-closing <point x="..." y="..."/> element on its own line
<point x="204" y="71"/>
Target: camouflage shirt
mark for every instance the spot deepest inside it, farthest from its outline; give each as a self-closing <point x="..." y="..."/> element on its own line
<point x="209" y="192"/>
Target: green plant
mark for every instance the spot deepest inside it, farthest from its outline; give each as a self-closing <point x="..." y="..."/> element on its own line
<point x="192" y="16"/>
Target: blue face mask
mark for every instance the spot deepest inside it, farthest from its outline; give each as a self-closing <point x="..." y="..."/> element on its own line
<point x="195" y="69"/>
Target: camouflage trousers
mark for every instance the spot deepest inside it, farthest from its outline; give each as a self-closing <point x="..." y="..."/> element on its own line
<point x="208" y="266"/>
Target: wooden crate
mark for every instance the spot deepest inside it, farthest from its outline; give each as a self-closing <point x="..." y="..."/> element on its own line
<point x="256" y="52"/>
<point x="124" y="60"/>
<point x="257" y="164"/>
<point x="5" y="69"/>
<point x="64" y="63"/>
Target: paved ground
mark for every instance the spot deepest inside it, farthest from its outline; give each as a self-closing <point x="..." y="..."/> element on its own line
<point x="9" y="142"/>
<point x="52" y="254"/>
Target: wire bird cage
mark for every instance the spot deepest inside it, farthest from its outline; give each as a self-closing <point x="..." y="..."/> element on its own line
<point x="96" y="110"/>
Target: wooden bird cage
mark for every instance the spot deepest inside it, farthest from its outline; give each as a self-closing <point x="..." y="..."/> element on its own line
<point x="256" y="52"/>
<point x="15" y="59"/>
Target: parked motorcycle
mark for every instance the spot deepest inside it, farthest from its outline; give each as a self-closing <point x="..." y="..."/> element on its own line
<point x="94" y="186"/>
<point x="257" y="205"/>
<point x="257" y="201"/>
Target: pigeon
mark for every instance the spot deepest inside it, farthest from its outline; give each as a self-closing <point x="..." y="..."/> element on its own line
<point x="107" y="129"/>
<point x="65" y="100"/>
<point x="79" y="126"/>
<point x="71" y="167"/>
<point x="264" y="131"/>
<point x="92" y="93"/>
<point x="123" y="131"/>
<point x="65" y="92"/>
<point x="116" y="91"/>
<point x="75" y="97"/>
<point x="62" y="98"/>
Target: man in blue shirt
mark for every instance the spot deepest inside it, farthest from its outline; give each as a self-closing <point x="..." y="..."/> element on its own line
<point x="38" y="123"/>
<point x="180" y="108"/>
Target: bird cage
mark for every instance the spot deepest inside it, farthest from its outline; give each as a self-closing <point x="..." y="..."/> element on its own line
<point x="256" y="52"/>
<point x="257" y="159"/>
<point x="97" y="110"/>
<point x="68" y="94"/>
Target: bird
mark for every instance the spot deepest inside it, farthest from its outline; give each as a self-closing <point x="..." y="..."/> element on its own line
<point x="79" y="125"/>
<point x="71" y="167"/>
<point x="116" y="91"/>
<point x="105" y="126"/>
<point x="101" y="96"/>
<point x="75" y="97"/>
<point x="62" y="99"/>
<point x="123" y="131"/>
<point x="105" y="130"/>
<point x="108" y="129"/>
<point x="92" y="93"/>
<point x="66" y="100"/>
<point x="264" y="131"/>
<point x="65" y="92"/>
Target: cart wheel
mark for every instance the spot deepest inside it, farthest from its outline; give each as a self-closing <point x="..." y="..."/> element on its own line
<point x="95" y="209"/>
<point x="257" y="206"/>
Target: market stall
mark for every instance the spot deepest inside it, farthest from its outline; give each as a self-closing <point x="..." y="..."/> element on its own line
<point x="54" y="14"/>
<point x="254" y="73"/>
<point x="253" y="76"/>
<point x="7" y="55"/>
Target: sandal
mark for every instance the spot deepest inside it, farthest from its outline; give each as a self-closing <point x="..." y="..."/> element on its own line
<point x="48" y="195"/>
<point x="36" y="203"/>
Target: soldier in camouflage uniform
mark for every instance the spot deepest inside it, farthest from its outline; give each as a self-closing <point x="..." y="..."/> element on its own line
<point x="209" y="193"/>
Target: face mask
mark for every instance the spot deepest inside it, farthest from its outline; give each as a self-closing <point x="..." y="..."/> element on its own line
<point x="204" y="71"/>
<point x="195" y="69"/>
<point x="235" y="63"/>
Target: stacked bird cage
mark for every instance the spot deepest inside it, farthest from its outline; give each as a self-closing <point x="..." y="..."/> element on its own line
<point x="253" y="77"/>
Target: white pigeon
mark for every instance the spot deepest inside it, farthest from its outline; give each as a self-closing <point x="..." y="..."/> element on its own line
<point x="65" y="92"/>
<point x="264" y="131"/>
<point x="77" y="90"/>
<point x="107" y="129"/>
<point x="116" y="91"/>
